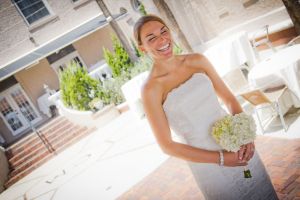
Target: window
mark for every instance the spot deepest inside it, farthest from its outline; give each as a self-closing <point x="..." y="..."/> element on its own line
<point x="63" y="62"/>
<point x="32" y="10"/>
<point x="135" y="5"/>
<point x="78" y="3"/>
<point x="65" y="65"/>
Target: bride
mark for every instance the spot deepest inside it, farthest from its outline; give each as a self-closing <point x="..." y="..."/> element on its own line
<point x="180" y="93"/>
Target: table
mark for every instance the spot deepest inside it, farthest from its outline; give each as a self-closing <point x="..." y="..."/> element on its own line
<point x="44" y="104"/>
<point x="99" y="69"/>
<point x="282" y="67"/>
<point x="229" y="53"/>
<point x="132" y="93"/>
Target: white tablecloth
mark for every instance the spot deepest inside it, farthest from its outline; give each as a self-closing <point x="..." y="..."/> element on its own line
<point x="44" y="104"/>
<point x="229" y="53"/>
<point x="283" y="66"/>
<point x="132" y="93"/>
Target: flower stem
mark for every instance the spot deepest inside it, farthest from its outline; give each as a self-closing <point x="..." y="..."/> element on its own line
<point x="247" y="173"/>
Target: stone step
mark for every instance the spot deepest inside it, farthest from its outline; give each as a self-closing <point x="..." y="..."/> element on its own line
<point x="27" y="164"/>
<point x="14" y="179"/>
<point x="44" y="151"/>
<point x="39" y="146"/>
<point x="59" y="147"/>
<point x="279" y="38"/>
<point x="38" y="141"/>
<point x="42" y="127"/>
<point x="275" y="43"/>
<point x="32" y="138"/>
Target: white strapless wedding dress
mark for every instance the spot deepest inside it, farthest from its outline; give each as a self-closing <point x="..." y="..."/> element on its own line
<point x="191" y="110"/>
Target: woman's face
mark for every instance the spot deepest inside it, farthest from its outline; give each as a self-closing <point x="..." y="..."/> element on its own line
<point x="156" y="40"/>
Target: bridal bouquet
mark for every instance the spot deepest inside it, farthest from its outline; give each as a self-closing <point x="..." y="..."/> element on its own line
<point x="231" y="132"/>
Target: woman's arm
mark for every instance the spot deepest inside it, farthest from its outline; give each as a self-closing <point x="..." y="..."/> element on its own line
<point x="151" y="97"/>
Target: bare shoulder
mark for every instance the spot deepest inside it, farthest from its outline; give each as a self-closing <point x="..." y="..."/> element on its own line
<point x="152" y="89"/>
<point x="191" y="57"/>
<point x="196" y="61"/>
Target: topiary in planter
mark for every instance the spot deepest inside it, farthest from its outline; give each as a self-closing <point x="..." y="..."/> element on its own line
<point x="112" y="87"/>
<point x="118" y="60"/>
<point x="78" y="89"/>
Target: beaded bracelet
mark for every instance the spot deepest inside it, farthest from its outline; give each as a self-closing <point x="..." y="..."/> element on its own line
<point x="221" y="158"/>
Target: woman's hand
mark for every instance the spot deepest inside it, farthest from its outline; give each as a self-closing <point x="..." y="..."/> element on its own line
<point x="246" y="152"/>
<point x="231" y="159"/>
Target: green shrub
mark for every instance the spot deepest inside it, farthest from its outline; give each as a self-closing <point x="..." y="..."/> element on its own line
<point x="142" y="9"/>
<point x="111" y="88"/>
<point x="118" y="60"/>
<point x="78" y="89"/>
<point x="138" y="52"/>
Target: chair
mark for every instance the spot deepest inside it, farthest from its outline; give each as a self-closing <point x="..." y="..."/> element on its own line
<point x="236" y="80"/>
<point x="294" y="41"/>
<point x="269" y="98"/>
<point x="263" y="40"/>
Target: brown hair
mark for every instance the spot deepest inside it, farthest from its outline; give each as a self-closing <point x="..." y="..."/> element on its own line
<point x="141" y="22"/>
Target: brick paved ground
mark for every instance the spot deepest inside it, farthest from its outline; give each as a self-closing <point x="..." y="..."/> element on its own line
<point x="173" y="179"/>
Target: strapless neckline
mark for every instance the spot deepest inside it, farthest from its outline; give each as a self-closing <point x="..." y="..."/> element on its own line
<point x="181" y="85"/>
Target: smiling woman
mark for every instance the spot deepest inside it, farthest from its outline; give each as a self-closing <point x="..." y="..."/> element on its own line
<point x="181" y="93"/>
<point x="158" y="41"/>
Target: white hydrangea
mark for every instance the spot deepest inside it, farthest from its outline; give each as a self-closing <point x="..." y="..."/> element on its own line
<point x="233" y="131"/>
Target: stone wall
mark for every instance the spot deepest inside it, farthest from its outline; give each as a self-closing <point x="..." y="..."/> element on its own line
<point x="3" y="169"/>
<point x="202" y="20"/>
<point x="15" y="33"/>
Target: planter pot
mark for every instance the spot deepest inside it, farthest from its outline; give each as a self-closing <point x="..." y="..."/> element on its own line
<point x="89" y="118"/>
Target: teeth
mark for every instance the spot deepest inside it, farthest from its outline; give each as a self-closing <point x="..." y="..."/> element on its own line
<point x="165" y="47"/>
